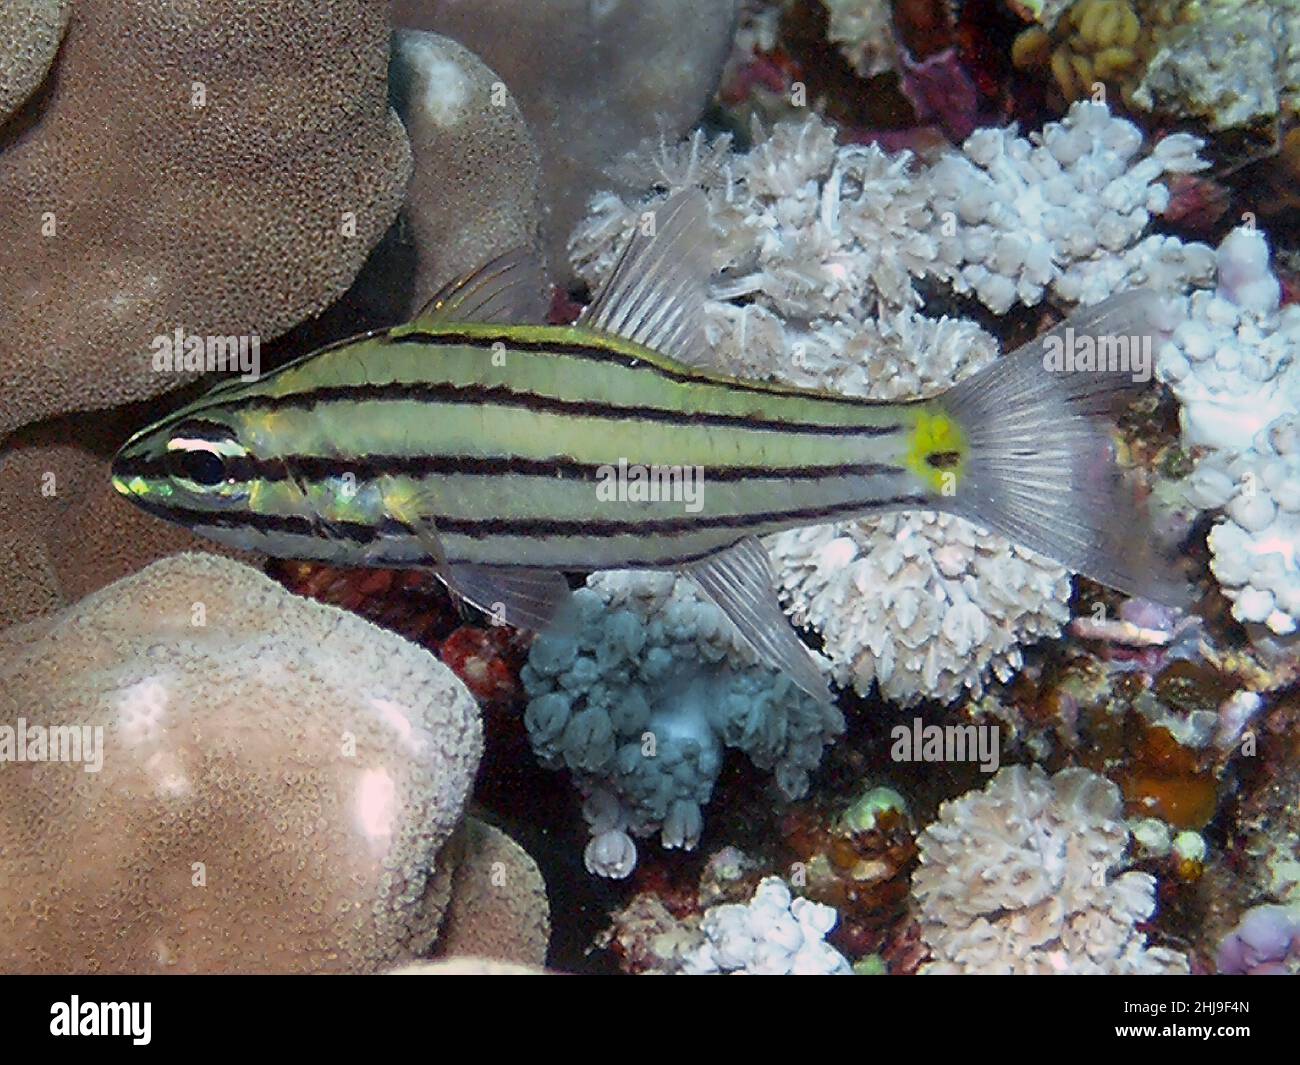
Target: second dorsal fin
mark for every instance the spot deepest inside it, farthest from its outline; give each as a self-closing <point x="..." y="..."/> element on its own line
<point x="655" y="293"/>
<point x="510" y="289"/>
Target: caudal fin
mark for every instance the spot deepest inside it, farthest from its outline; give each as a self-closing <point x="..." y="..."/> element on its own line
<point x="1040" y="466"/>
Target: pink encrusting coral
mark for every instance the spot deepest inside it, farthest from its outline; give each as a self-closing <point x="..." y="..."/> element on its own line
<point x="1266" y="942"/>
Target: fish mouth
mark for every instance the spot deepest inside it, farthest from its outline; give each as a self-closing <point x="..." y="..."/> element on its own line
<point x="125" y="480"/>
<point x="127" y="487"/>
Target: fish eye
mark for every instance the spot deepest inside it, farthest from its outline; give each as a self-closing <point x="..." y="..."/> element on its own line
<point x="203" y="467"/>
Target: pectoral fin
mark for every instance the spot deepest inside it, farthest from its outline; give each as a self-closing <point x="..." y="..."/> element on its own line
<point x="516" y="595"/>
<point x="739" y="581"/>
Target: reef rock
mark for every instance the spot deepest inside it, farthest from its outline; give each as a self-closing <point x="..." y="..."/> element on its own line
<point x="30" y="32"/>
<point x="474" y="189"/>
<point x="594" y="78"/>
<point x="1227" y="63"/>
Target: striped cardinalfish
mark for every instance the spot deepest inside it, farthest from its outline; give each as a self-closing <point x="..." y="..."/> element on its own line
<point x="474" y="443"/>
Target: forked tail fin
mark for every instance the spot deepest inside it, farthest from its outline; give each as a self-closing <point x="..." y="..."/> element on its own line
<point x="1040" y="455"/>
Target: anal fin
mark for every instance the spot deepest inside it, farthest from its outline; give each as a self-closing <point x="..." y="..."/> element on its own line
<point x="739" y="581"/>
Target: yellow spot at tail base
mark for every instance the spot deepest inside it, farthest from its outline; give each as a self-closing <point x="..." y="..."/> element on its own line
<point x="937" y="451"/>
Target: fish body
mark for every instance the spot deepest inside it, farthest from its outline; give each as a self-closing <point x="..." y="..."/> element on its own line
<point x="501" y="453"/>
<point x="501" y="437"/>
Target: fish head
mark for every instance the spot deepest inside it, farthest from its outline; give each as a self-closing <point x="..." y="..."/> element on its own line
<point x="188" y="468"/>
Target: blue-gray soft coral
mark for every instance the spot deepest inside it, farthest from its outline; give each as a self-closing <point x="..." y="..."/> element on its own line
<point x="639" y="690"/>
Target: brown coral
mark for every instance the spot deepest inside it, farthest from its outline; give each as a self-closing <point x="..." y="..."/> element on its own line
<point x="30" y="32"/>
<point x="474" y="188"/>
<point x="64" y="532"/>
<point x="593" y="79"/>
<point x="221" y="168"/>
<point x="277" y="781"/>
<point x="1094" y="42"/>
<point x="498" y="905"/>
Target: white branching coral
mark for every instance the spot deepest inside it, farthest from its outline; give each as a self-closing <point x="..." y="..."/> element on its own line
<point x="819" y="246"/>
<point x="773" y="934"/>
<point x="924" y="604"/>
<point x="1255" y="547"/>
<point x="1063" y="210"/>
<point x="1233" y="361"/>
<point x="1232" y="358"/>
<point x="809" y="232"/>
<point x="1022" y="877"/>
<point x="864" y="32"/>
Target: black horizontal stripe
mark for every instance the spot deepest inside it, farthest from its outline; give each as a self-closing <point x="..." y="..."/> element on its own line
<point x="373" y="467"/>
<point x="531" y="528"/>
<point x="499" y="395"/>
<point x="598" y="352"/>
<point x="204" y="429"/>
<point x="943" y="460"/>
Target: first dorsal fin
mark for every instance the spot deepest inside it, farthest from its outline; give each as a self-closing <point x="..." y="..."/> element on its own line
<point x="510" y="289"/>
<point x="655" y="294"/>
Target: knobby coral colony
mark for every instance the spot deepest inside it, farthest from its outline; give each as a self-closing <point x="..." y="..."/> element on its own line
<point x="897" y="372"/>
